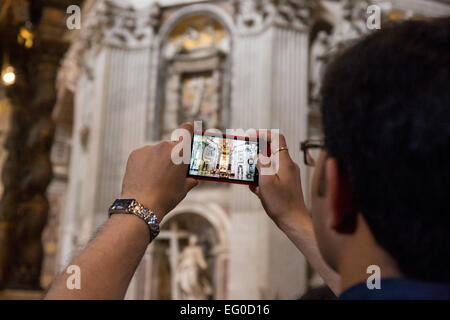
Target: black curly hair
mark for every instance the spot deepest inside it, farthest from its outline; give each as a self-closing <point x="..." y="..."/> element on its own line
<point x="386" y="118"/>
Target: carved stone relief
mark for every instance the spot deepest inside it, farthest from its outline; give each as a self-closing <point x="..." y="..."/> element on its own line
<point x="253" y="16"/>
<point x="195" y="57"/>
<point x="128" y="27"/>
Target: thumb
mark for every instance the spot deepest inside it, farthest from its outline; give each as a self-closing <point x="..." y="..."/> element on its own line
<point x="262" y="162"/>
<point x="254" y="189"/>
<point x="264" y="166"/>
<point x="191" y="183"/>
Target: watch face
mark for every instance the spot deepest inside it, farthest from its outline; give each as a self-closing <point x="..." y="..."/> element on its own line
<point x="121" y="204"/>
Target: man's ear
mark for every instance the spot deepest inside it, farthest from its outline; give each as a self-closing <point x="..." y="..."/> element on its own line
<point x="343" y="215"/>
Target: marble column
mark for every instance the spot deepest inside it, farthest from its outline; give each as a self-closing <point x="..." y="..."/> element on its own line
<point x="111" y="99"/>
<point x="269" y="91"/>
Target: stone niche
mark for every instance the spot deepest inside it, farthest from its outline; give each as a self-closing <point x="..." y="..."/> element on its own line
<point x="193" y="75"/>
<point x="184" y="261"/>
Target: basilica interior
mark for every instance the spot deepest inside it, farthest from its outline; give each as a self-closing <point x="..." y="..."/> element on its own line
<point x="76" y="100"/>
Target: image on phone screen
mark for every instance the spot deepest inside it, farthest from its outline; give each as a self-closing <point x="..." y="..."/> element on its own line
<point x="224" y="158"/>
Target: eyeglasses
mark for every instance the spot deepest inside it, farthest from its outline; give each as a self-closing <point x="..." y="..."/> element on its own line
<point x="311" y="151"/>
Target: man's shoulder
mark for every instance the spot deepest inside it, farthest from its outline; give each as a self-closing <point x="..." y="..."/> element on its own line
<point x="399" y="289"/>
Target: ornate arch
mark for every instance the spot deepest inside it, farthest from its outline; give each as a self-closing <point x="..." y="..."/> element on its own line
<point x="207" y="9"/>
<point x="217" y="220"/>
<point x="211" y="212"/>
<point x="213" y="63"/>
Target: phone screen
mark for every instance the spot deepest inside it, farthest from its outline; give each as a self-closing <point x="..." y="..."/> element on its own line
<point x="224" y="158"/>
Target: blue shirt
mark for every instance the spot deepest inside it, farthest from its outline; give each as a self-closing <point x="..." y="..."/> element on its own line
<point x="399" y="289"/>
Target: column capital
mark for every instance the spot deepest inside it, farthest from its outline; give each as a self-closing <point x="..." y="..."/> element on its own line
<point x="105" y="24"/>
<point x="126" y="27"/>
<point x="254" y="16"/>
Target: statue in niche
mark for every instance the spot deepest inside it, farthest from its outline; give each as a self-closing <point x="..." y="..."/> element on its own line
<point x="318" y="58"/>
<point x="191" y="277"/>
<point x="350" y="26"/>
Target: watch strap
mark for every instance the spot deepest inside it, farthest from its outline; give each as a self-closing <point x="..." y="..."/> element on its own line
<point x="132" y="206"/>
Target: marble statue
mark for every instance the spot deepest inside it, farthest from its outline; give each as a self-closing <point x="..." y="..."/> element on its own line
<point x="319" y="53"/>
<point x="190" y="276"/>
<point x="351" y="25"/>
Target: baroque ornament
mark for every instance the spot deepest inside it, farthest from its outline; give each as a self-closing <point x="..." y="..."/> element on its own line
<point x="105" y="24"/>
<point x="253" y="16"/>
<point x="127" y="27"/>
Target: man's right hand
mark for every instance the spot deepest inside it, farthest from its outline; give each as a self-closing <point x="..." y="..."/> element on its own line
<point x="154" y="180"/>
<point x="281" y="193"/>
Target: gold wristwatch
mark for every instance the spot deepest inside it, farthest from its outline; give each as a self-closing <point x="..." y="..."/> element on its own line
<point x="132" y="206"/>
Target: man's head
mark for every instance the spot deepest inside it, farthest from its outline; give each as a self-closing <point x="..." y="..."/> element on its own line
<point x="386" y="117"/>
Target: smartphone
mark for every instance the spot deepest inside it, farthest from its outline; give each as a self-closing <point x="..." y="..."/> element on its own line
<point x="224" y="158"/>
